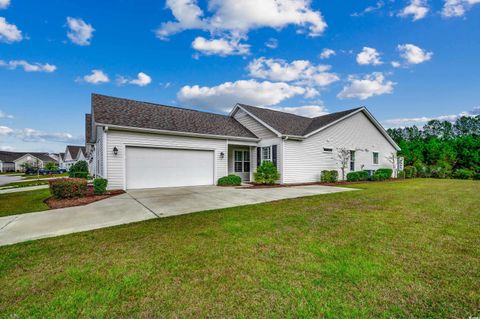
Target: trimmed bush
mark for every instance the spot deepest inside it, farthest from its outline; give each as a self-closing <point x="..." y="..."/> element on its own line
<point x="100" y="186"/>
<point x="476" y="176"/>
<point x="463" y="174"/>
<point x="229" y="180"/>
<point x="266" y="173"/>
<point x="401" y="175"/>
<point x="357" y="176"/>
<point x="386" y="172"/>
<point x="329" y="176"/>
<point x="439" y="172"/>
<point x="410" y="171"/>
<point x="79" y="170"/>
<point x="68" y="187"/>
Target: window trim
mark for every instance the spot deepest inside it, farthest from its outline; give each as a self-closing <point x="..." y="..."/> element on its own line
<point x="378" y="158"/>
<point x="269" y="159"/>
<point x="243" y="161"/>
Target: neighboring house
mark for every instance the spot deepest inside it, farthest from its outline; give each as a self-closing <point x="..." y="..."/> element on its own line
<point x="73" y="154"/>
<point x="145" y="145"/>
<point x="16" y="161"/>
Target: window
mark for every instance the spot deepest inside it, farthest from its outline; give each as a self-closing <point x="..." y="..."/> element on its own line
<point x="242" y="161"/>
<point x="328" y="150"/>
<point x="375" y="158"/>
<point x="352" y="161"/>
<point x="266" y="153"/>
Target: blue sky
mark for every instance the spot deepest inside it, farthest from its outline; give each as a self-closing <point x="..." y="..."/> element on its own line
<point x="407" y="61"/>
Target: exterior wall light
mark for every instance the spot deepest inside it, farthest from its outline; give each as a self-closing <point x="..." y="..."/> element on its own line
<point x="222" y="155"/>
<point x="115" y="151"/>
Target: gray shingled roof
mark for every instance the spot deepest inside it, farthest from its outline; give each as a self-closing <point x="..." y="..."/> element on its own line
<point x="9" y="157"/>
<point x="291" y="124"/>
<point x="129" y="113"/>
<point x="88" y="128"/>
<point x="74" y="149"/>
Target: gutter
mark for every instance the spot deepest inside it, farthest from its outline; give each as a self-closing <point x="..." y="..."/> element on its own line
<point x="165" y="132"/>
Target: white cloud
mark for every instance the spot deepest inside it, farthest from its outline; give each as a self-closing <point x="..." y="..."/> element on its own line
<point x="327" y="53"/>
<point x="27" y="66"/>
<point x="369" y="56"/>
<point x="230" y="17"/>
<point x="272" y="43"/>
<point x="366" y="87"/>
<point x="424" y="119"/>
<point x="7" y="148"/>
<point x="96" y="77"/>
<point x="380" y="4"/>
<point x="4" y="115"/>
<point x="32" y="135"/>
<point x="413" y="54"/>
<point x="222" y="47"/>
<point x="222" y="97"/>
<point x="396" y="64"/>
<point x="4" y="130"/>
<point x="142" y="79"/>
<point x="418" y="9"/>
<point x="304" y="110"/>
<point x="9" y="33"/>
<point x="457" y="8"/>
<point x="303" y="72"/>
<point x="4" y="4"/>
<point x="80" y="32"/>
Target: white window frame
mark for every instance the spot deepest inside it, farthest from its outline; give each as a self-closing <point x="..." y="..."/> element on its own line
<point x="269" y="158"/>
<point x="243" y="161"/>
<point x="378" y="158"/>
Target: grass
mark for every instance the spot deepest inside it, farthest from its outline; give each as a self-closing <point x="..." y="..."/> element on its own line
<point x="408" y="249"/>
<point x="23" y="202"/>
<point x="45" y="176"/>
<point x="24" y="184"/>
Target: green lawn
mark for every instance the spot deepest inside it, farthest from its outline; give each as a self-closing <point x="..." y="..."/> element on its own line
<point x="407" y="249"/>
<point x="23" y="202"/>
<point x="24" y="184"/>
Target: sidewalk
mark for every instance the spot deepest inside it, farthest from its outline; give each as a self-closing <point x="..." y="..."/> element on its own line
<point x="22" y="189"/>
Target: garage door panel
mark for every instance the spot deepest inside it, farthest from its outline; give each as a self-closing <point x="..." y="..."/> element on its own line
<point x="159" y="167"/>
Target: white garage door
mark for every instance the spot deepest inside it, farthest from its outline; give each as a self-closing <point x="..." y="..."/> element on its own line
<point x="160" y="167"/>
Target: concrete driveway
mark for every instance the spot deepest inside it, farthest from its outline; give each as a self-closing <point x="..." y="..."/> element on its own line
<point x="139" y="205"/>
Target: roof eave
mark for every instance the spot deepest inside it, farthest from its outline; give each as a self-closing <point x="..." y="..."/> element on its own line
<point x="166" y="132"/>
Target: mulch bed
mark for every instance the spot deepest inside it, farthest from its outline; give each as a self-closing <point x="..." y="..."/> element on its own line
<point x="54" y="203"/>
<point x="339" y="183"/>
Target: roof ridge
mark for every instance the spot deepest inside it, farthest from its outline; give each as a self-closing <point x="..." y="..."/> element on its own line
<point x="267" y="108"/>
<point x="157" y="104"/>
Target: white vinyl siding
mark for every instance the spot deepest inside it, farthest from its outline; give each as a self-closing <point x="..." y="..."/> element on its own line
<point x="304" y="160"/>
<point x="253" y="125"/>
<point x="99" y="153"/>
<point x="121" y="139"/>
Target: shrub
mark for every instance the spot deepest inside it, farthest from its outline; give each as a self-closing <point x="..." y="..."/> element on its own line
<point x="357" y="176"/>
<point x="439" y="172"/>
<point x="463" y="174"/>
<point x="410" y="171"/>
<point x="229" y="180"/>
<point x="329" y="176"/>
<point x="100" y="186"/>
<point x="79" y="170"/>
<point x="68" y="187"/>
<point x="266" y="173"/>
<point x="386" y="172"/>
<point x="476" y="176"/>
<point x="401" y="175"/>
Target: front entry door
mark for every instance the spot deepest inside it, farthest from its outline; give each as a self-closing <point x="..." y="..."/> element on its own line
<point x="241" y="164"/>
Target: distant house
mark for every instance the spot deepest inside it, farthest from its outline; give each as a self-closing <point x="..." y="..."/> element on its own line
<point x="145" y="145"/>
<point x="17" y="161"/>
<point x="73" y="154"/>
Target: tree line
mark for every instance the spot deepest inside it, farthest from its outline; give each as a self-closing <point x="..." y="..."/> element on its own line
<point x="441" y="148"/>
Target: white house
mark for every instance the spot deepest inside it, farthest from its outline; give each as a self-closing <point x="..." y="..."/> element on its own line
<point x="145" y="145"/>
<point x="72" y="155"/>
<point x="16" y="161"/>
